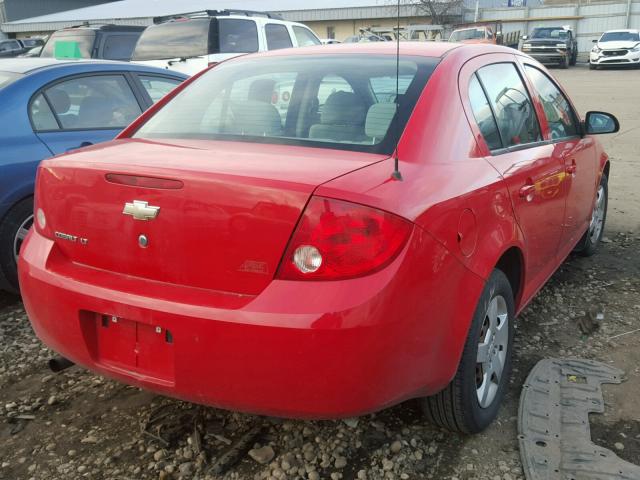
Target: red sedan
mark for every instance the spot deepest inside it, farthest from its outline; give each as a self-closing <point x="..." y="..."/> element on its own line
<point x="370" y="240"/>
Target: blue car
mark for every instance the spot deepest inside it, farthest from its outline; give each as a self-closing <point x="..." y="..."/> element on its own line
<point x="49" y="107"/>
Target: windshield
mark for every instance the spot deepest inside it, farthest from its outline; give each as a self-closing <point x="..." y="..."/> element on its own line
<point x="7" y="78"/>
<point x="551" y="33"/>
<point x="467" y="34"/>
<point x="343" y="102"/>
<point x="69" y="44"/>
<point x="620" y="37"/>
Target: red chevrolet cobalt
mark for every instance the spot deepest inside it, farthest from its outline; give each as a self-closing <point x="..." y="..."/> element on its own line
<point x="321" y="232"/>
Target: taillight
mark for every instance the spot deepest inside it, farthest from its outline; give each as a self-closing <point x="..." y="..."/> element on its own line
<point x="336" y="240"/>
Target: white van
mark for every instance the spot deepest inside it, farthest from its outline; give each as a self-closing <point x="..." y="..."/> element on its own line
<point x="190" y="42"/>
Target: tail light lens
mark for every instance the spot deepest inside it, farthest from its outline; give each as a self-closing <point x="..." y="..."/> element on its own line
<point x="335" y="240"/>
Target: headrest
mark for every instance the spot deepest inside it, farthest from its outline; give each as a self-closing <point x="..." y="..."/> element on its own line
<point x="343" y="108"/>
<point x="261" y="90"/>
<point x="379" y="118"/>
<point x="60" y="100"/>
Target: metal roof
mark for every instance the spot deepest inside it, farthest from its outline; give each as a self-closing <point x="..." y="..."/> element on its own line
<point x="140" y="12"/>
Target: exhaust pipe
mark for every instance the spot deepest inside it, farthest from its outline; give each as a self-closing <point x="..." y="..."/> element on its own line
<point x="58" y="364"/>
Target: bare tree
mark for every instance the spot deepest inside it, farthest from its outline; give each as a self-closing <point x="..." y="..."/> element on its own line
<point x="440" y="10"/>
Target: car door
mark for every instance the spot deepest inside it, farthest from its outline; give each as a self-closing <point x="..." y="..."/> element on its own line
<point x="87" y="109"/>
<point x="576" y="153"/>
<point x="506" y="118"/>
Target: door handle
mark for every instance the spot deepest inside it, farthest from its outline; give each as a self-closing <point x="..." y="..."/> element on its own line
<point x="528" y="192"/>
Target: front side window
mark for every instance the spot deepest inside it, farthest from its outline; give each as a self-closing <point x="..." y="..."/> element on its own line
<point x="317" y="101"/>
<point x="483" y="115"/>
<point x="277" y="36"/>
<point x="307" y="39"/>
<point x="557" y="109"/>
<point x="85" y="103"/>
<point x="237" y="36"/>
<point x="514" y="112"/>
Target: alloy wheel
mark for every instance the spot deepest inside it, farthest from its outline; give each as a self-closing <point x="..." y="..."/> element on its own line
<point x="21" y="234"/>
<point x="597" y="217"/>
<point x="492" y="351"/>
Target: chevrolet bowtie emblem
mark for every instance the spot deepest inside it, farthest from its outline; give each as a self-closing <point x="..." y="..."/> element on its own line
<point x="140" y="210"/>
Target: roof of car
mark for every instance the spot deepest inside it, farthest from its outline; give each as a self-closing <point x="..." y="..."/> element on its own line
<point x="425" y="49"/>
<point x="623" y="30"/>
<point x="26" y="65"/>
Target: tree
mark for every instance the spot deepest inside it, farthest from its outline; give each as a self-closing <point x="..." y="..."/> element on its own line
<point x="440" y="10"/>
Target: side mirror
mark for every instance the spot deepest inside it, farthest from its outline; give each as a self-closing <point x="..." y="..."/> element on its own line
<point x="594" y="40"/>
<point x="597" y="123"/>
<point x="524" y="37"/>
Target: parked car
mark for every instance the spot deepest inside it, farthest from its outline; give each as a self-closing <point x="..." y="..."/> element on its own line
<point x="190" y="42"/>
<point x="51" y="107"/>
<point x="555" y="45"/>
<point x="489" y="31"/>
<point x="616" y="47"/>
<point x="32" y="52"/>
<point x="108" y="42"/>
<point x="325" y="265"/>
<point x="16" y="47"/>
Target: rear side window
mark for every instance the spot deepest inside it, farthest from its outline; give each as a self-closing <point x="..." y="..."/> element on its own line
<point x="86" y="103"/>
<point x="237" y="36"/>
<point x="66" y="44"/>
<point x="483" y="115"/>
<point x="158" y="87"/>
<point x="509" y="99"/>
<point x="41" y="115"/>
<point x="557" y="109"/>
<point x="119" y="47"/>
<point x="183" y="39"/>
<point x="277" y="36"/>
<point x="304" y="37"/>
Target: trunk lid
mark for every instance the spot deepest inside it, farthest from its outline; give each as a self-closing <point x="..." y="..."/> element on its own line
<point x="222" y="224"/>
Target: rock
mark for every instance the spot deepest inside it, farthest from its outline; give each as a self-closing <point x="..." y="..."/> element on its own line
<point x="341" y="462"/>
<point x="159" y="455"/>
<point x="619" y="446"/>
<point x="336" y="476"/>
<point x="52" y="400"/>
<point x="351" y="422"/>
<point x="387" y="465"/>
<point x="185" y="468"/>
<point x="362" y="475"/>
<point x="72" y="453"/>
<point x="262" y="455"/>
<point x="89" y="439"/>
<point x="396" y="446"/>
<point x="313" y="475"/>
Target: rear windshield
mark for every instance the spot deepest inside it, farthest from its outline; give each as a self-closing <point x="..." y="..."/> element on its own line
<point x="345" y="102"/>
<point x="197" y="37"/>
<point x="69" y="44"/>
<point x="620" y="37"/>
<point x="467" y="34"/>
<point x="7" y="78"/>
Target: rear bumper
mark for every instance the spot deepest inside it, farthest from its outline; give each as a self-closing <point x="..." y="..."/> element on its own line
<point x="298" y="349"/>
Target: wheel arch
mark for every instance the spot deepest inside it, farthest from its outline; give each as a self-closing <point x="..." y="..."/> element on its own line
<point x="512" y="264"/>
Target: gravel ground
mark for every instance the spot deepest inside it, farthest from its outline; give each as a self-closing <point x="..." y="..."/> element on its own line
<point x="77" y="425"/>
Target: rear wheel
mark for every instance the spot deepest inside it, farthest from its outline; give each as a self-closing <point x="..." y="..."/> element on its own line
<point x="588" y="244"/>
<point x="472" y="399"/>
<point x="13" y="230"/>
<point x="564" y="63"/>
<point x="592" y="66"/>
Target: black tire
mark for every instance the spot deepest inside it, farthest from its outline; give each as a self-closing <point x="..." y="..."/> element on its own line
<point x="457" y="407"/>
<point x="574" y="59"/>
<point x="9" y="228"/>
<point x="588" y="244"/>
<point x="593" y="66"/>
<point x="564" y="63"/>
